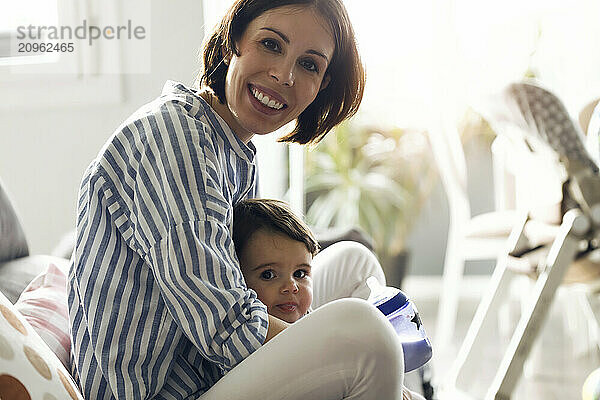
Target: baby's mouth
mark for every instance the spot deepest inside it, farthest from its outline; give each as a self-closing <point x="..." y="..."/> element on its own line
<point x="287" y="307"/>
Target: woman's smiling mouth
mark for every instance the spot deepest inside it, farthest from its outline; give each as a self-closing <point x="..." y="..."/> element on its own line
<point x="267" y="103"/>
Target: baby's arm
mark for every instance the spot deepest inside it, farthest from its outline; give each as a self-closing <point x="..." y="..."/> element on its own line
<point x="276" y="326"/>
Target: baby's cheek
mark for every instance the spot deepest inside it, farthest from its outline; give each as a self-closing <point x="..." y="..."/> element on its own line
<point x="263" y="298"/>
<point x="308" y="297"/>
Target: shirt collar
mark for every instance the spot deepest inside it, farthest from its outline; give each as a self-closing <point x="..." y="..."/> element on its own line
<point x="198" y="106"/>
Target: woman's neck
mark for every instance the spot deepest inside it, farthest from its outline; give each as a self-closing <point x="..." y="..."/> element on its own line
<point x="224" y="112"/>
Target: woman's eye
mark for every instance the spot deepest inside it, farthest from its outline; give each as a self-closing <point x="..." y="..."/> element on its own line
<point x="271" y="44"/>
<point x="309" y="65"/>
<point x="267" y="275"/>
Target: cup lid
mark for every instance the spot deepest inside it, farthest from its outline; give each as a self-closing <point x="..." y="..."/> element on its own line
<point x="395" y="303"/>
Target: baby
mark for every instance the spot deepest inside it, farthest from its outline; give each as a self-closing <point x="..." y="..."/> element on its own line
<point x="275" y="249"/>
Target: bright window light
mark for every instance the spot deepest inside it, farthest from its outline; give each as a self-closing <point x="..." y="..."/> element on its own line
<point x="27" y="12"/>
<point x="395" y="41"/>
<point x="479" y="46"/>
<point x="23" y="14"/>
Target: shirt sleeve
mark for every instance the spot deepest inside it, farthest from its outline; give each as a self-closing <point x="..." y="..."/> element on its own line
<point x="181" y="213"/>
<point x="205" y="293"/>
<point x="154" y="270"/>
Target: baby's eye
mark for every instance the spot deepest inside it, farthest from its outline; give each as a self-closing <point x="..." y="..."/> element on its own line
<point x="271" y="44"/>
<point x="300" y="273"/>
<point x="309" y="65"/>
<point x="267" y="275"/>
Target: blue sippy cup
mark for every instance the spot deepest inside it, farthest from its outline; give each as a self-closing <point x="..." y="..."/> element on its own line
<point x="404" y="317"/>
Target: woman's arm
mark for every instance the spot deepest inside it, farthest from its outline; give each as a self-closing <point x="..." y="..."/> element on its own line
<point x="275" y="327"/>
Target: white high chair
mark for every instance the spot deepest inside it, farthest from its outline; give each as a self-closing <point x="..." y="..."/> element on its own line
<point x="479" y="237"/>
<point x="546" y="121"/>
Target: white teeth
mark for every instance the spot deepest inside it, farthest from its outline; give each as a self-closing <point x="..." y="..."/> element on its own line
<point x="266" y="100"/>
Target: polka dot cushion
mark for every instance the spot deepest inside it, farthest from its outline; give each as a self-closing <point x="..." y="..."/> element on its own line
<point x="28" y="368"/>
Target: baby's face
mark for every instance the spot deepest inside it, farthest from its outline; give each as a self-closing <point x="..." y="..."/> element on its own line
<point x="278" y="269"/>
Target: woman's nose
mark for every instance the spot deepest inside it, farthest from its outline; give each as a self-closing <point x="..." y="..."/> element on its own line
<point x="290" y="286"/>
<point x="283" y="73"/>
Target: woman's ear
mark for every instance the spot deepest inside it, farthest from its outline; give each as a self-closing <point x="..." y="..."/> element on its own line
<point x="325" y="82"/>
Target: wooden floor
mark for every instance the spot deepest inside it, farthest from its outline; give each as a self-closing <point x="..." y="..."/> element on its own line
<point x="553" y="372"/>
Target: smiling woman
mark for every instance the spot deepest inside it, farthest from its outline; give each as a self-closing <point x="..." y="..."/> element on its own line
<point x="276" y="59"/>
<point x="154" y="263"/>
<point x="340" y="97"/>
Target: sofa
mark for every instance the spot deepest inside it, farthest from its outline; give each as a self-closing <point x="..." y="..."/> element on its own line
<point x="34" y="338"/>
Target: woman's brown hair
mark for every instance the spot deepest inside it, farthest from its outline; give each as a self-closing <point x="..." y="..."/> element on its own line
<point x="338" y="101"/>
<point x="270" y="215"/>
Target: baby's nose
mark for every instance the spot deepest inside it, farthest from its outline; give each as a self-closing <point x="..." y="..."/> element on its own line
<point x="290" y="286"/>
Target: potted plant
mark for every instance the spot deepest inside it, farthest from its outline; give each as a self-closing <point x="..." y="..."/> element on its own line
<point x="374" y="179"/>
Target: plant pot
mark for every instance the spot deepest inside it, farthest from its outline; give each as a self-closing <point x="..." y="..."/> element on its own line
<point x="395" y="268"/>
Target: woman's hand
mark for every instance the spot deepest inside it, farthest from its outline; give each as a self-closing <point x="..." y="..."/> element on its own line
<point x="275" y="327"/>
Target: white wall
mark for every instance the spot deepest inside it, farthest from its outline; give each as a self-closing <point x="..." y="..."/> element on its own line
<point x="43" y="152"/>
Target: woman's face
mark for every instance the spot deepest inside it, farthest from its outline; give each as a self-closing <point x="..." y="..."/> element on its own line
<point x="284" y="54"/>
<point x="278" y="269"/>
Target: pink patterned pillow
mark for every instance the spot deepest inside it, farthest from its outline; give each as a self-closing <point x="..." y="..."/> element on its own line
<point x="43" y="303"/>
<point x="29" y="370"/>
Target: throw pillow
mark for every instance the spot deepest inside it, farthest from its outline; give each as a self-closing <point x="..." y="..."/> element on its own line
<point x="43" y="303"/>
<point x="15" y="275"/>
<point x="28" y="368"/>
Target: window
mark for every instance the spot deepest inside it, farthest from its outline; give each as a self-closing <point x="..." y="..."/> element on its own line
<point x="213" y="11"/>
<point x="69" y="49"/>
<point x="24" y="13"/>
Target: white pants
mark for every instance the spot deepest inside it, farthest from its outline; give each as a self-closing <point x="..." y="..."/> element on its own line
<point x="344" y="349"/>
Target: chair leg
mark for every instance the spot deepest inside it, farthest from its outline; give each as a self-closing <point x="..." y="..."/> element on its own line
<point x="454" y="265"/>
<point x="561" y="254"/>
<point x="584" y="330"/>
<point x="465" y="374"/>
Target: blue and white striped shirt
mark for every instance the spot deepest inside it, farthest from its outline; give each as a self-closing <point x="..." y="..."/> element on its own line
<point x="158" y="305"/>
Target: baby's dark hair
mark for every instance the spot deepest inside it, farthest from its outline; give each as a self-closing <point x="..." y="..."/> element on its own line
<point x="270" y="215"/>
